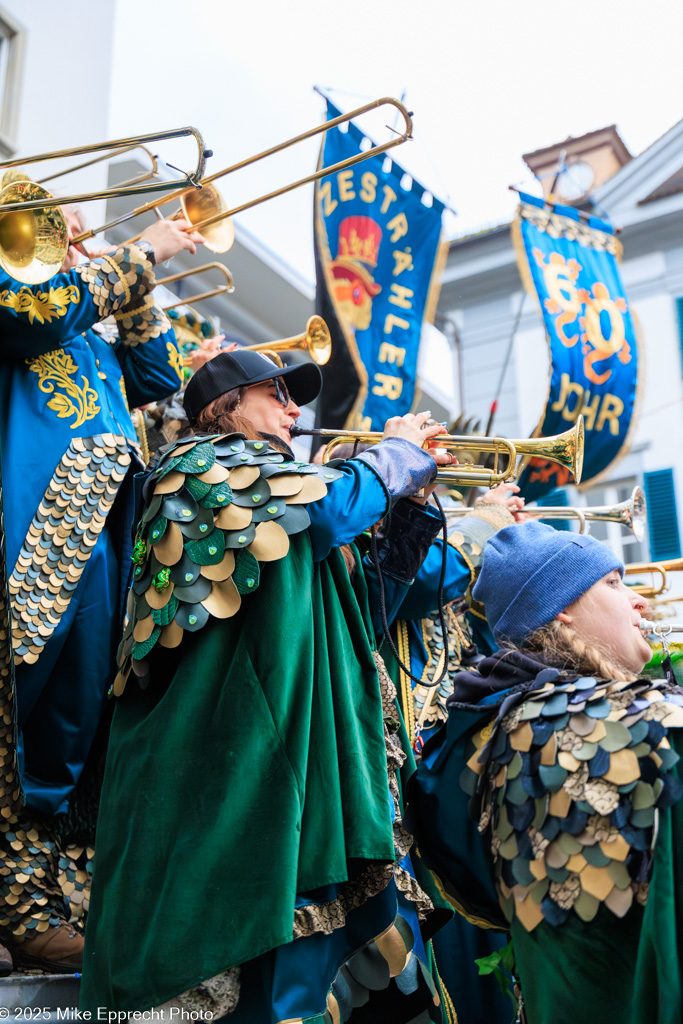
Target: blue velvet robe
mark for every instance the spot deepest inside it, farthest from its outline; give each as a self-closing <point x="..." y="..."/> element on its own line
<point x="63" y="383"/>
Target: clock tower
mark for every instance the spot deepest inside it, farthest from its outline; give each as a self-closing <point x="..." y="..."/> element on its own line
<point x="588" y="161"/>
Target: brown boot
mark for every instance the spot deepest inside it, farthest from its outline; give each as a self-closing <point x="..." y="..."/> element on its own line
<point x="56" y="950"/>
<point x="6" y="965"/>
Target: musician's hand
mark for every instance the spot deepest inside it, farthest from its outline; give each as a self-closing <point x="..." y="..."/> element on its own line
<point x="209" y="349"/>
<point x="501" y="495"/>
<point x="413" y="428"/>
<point x="169" y="237"/>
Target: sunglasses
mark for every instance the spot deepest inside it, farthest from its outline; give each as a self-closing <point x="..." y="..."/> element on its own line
<point x="281" y="391"/>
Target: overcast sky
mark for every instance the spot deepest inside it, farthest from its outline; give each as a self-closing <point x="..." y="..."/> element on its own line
<point x="487" y="81"/>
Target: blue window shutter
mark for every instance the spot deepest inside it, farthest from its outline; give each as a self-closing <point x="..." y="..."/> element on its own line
<point x="662" y="519"/>
<point x="679" y="314"/>
<point x="558" y="497"/>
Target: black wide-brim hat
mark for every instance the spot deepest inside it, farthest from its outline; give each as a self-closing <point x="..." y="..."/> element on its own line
<point x="231" y="370"/>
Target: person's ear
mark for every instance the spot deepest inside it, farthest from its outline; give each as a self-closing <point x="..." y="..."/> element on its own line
<point x="563" y="617"/>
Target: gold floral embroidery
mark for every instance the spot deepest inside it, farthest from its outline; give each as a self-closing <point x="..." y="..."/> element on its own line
<point x="41" y="306"/>
<point x="175" y="360"/>
<point x="55" y="369"/>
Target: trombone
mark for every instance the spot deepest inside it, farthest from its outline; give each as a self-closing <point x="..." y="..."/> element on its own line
<point x="34" y="238"/>
<point x="35" y="248"/>
<point x="222" y="289"/>
<point x="208" y="209"/>
<point x="316" y="340"/>
<point x="114" y="191"/>
<point x="565" y="449"/>
<point x="631" y="513"/>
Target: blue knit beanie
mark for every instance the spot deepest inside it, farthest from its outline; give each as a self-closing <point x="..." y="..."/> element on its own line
<point x="531" y="572"/>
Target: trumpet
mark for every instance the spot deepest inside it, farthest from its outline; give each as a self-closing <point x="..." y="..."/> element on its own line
<point x="565" y="449"/>
<point x="34" y="238"/>
<point x="644" y="568"/>
<point x="631" y="513"/>
<point x="660" y="629"/>
<point x="316" y="340"/>
<point x="661" y="608"/>
<point x="210" y="211"/>
<point x="223" y="289"/>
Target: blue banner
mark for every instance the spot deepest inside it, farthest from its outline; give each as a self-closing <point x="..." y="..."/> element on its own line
<point x="376" y="248"/>
<point x="572" y="267"/>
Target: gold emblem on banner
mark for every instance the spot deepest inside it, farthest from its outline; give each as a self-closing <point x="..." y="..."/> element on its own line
<point x="586" y="310"/>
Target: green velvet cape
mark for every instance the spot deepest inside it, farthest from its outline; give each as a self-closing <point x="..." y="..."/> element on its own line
<point x="252" y="768"/>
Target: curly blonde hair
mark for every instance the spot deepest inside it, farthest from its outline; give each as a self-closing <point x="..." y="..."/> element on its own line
<point x="561" y="646"/>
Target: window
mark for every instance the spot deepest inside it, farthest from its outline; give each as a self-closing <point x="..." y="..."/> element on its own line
<point x="619" y="538"/>
<point x="665" y="540"/>
<point x="679" y="315"/>
<point x="12" y="38"/>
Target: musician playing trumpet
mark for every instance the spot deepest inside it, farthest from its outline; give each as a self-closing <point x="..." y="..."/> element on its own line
<point x="275" y="854"/>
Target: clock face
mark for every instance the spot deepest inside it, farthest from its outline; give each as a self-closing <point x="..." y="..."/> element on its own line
<point x="575" y="181"/>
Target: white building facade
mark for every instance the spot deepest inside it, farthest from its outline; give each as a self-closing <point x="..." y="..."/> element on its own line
<point x="481" y="297"/>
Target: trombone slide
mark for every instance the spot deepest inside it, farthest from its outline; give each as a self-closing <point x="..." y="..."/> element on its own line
<point x="120" y="145"/>
<point x="221" y="213"/>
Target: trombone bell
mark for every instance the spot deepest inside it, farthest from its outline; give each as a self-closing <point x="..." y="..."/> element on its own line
<point x="203" y="204"/>
<point x="33" y="244"/>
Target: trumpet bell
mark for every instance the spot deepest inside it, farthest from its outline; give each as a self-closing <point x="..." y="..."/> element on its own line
<point x="318" y="340"/>
<point x="566" y="449"/>
<point x="33" y="243"/>
<point x="202" y="204"/>
<point x="635" y="513"/>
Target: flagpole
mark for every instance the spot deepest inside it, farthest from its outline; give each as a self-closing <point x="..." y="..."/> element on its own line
<point x="471" y="497"/>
